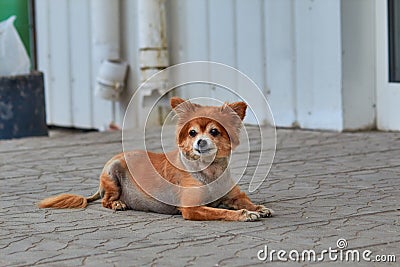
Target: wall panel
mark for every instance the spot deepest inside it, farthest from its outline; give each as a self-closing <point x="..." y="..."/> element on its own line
<point x="65" y="56"/>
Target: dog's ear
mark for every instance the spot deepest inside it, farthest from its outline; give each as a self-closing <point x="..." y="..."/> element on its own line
<point x="176" y="101"/>
<point x="239" y="108"/>
<point x="180" y="105"/>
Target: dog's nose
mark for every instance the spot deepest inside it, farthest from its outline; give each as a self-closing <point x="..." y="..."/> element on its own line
<point x="202" y="143"/>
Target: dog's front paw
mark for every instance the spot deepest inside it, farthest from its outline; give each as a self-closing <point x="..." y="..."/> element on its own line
<point x="264" y="211"/>
<point x="248" y="216"/>
<point x="118" y="205"/>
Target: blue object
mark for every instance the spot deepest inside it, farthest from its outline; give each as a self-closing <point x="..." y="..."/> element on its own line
<point x="22" y="106"/>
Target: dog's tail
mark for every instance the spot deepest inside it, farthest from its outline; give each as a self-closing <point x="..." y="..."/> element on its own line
<point x="68" y="201"/>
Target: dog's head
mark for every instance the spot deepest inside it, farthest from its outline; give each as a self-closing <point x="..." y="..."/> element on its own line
<point x="208" y="131"/>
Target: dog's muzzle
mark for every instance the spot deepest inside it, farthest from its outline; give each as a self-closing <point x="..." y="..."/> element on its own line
<point x="204" y="146"/>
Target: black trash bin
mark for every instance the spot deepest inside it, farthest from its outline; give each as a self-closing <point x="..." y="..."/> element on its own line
<point x="22" y="106"/>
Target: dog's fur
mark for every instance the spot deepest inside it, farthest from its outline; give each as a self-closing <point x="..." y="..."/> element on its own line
<point x="216" y="135"/>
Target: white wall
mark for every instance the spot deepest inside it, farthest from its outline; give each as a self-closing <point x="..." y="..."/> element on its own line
<point x="65" y="56"/>
<point x="358" y="64"/>
<point x="318" y="64"/>
<point x="130" y="52"/>
<point x="292" y="49"/>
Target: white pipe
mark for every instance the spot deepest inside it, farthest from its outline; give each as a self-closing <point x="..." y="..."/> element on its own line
<point x="153" y="51"/>
<point x="153" y="55"/>
<point x="105" y="30"/>
<point x="106" y="47"/>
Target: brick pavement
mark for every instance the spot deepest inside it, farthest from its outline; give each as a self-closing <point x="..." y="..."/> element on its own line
<point x="323" y="186"/>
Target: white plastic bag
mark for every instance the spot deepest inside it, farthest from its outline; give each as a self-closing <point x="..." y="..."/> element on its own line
<point x="14" y="59"/>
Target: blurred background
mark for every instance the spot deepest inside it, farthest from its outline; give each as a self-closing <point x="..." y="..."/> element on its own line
<point x="322" y="64"/>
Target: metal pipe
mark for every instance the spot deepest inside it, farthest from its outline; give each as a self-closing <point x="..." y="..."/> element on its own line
<point x="153" y="51"/>
<point x="105" y="30"/>
<point x="106" y="48"/>
<point x="153" y="55"/>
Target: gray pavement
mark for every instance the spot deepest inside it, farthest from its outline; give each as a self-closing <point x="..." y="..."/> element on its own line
<point x="323" y="186"/>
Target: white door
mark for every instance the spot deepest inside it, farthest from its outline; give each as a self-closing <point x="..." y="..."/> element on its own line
<point x="388" y="64"/>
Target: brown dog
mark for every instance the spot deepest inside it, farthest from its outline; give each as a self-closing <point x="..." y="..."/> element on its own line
<point x="206" y="135"/>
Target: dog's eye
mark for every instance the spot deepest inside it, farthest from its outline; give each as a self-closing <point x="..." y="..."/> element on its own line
<point x="214" y="132"/>
<point x="192" y="133"/>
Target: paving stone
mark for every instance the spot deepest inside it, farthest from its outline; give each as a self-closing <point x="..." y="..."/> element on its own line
<point x="322" y="185"/>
